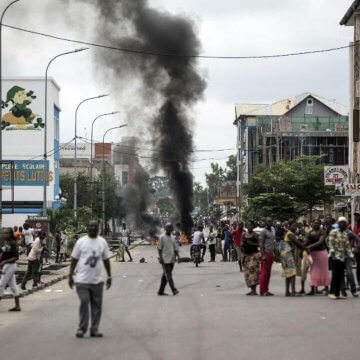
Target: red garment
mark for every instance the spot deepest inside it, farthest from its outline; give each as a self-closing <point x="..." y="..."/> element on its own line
<point x="237" y="236"/>
<point x="356" y="229"/>
<point x="265" y="273"/>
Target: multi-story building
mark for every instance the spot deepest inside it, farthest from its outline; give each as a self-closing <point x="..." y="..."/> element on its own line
<point x="352" y="18"/>
<point x="307" y="124"/>
<point x="23" y="169"/>
<point x="120" y="159"/>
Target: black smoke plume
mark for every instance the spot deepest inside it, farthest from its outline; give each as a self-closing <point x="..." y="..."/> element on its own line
<point x="136" y="198"/>
<point x="170" y="85"/>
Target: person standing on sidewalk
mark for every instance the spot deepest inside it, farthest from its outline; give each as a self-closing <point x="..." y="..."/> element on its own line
<point x="168" y="252"/>
<point x="28" y="235"/>
<point x="89" y="251"/>
<point x="267" y="246"/>
<point x="34" y="261"/>
<point x="353" y="240"/>
<point x="212" y="243"/>
<point x="340" y="249"/>
<point x="63" y="247"/>
<point x="125" y="239"/>
<point x="227" y="244"/>
<point x="8" y="257"/>
<point x="58" y="246"/>
<point x="356" y="231"/>
<point x="237" y="234"/>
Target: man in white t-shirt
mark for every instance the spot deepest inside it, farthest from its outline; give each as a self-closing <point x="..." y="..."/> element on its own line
<point x="88" y="253"/>
<point x="28" y="235"/>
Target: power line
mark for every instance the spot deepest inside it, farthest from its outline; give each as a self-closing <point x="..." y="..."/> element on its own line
<point x="148" y="157"/>
<point x="170" y="152"/>
<point x="53" y="151"/>
<point x="156" y="53"/>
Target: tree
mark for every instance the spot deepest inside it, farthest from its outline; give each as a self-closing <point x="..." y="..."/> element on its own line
<point x="231" y="168"/>
<point x="217" y="175"/>
<point x="289" y="189"/>
<point x="201" y="198"/>
<point x="91" y="196"/>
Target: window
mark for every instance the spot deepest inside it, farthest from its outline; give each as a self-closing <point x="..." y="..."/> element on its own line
<point x="309" y="106"/>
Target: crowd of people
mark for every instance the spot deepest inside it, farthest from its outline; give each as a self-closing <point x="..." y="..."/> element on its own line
<point x="324" y="252"/>
<point x="34" y="245"/>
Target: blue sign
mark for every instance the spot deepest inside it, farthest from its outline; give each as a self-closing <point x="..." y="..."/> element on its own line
<point x="25" y="173"/>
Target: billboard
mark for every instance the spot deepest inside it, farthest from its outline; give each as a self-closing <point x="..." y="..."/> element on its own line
<point x="26" y="173"/>
<point x="67" y="151"/>
<point x="336" y="176"/>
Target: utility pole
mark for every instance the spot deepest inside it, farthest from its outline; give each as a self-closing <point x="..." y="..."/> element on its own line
<point x="277" y="141"/>
<point x="1" y="97"/>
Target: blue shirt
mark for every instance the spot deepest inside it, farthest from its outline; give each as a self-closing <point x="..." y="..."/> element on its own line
<point x="227" y="234"/>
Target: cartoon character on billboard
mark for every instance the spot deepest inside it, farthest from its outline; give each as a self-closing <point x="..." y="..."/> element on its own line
<point x="20" y="116"/>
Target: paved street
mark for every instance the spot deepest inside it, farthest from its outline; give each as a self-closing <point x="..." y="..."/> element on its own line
<point x="210" y="319"/>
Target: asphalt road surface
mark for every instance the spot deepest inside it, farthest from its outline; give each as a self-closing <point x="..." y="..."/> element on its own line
<point x="211" y="318"/>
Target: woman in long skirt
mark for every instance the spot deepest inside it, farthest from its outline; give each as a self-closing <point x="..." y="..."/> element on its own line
<point x="251" y="257"/>
<point x="319" y="273"/>
<point x="8" y="257"/>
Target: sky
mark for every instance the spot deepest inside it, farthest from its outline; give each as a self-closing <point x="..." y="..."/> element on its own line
<point x="225" y="28"/>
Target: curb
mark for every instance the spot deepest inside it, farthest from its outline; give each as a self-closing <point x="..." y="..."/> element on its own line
<point x="56" y="279"/>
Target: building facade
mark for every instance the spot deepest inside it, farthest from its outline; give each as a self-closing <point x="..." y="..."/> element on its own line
<point x="305" y="125"/>
<point x="23" y="167"/>
<point x="120" y="159"/>
<point x="352" y="18"/>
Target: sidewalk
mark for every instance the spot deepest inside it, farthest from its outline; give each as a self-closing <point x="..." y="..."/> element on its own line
<point x="51" y="274"/>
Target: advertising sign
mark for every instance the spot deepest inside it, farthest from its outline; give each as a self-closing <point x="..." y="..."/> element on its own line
<point x="68" y="150"/>
<point x="336" y="176"/>
<point x="26" y="173"/>
<point x="352" y="189"/>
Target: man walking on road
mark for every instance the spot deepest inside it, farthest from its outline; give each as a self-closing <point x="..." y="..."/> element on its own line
<point x="34" y="261"/>
<point x="168" y="252"/>
<point x="125" y="239"/>
<point x="267" y="246"/>
<point x="86" y="257"/>
<point x="28" y="235"/>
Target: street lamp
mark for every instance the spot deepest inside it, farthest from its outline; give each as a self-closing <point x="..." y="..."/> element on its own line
<point x="75" y="157"/>
<point x="103" y="176"/>
<point x="45" y="122"/>
<point x="1" y="97"/>
<point x="92" y="140"/>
